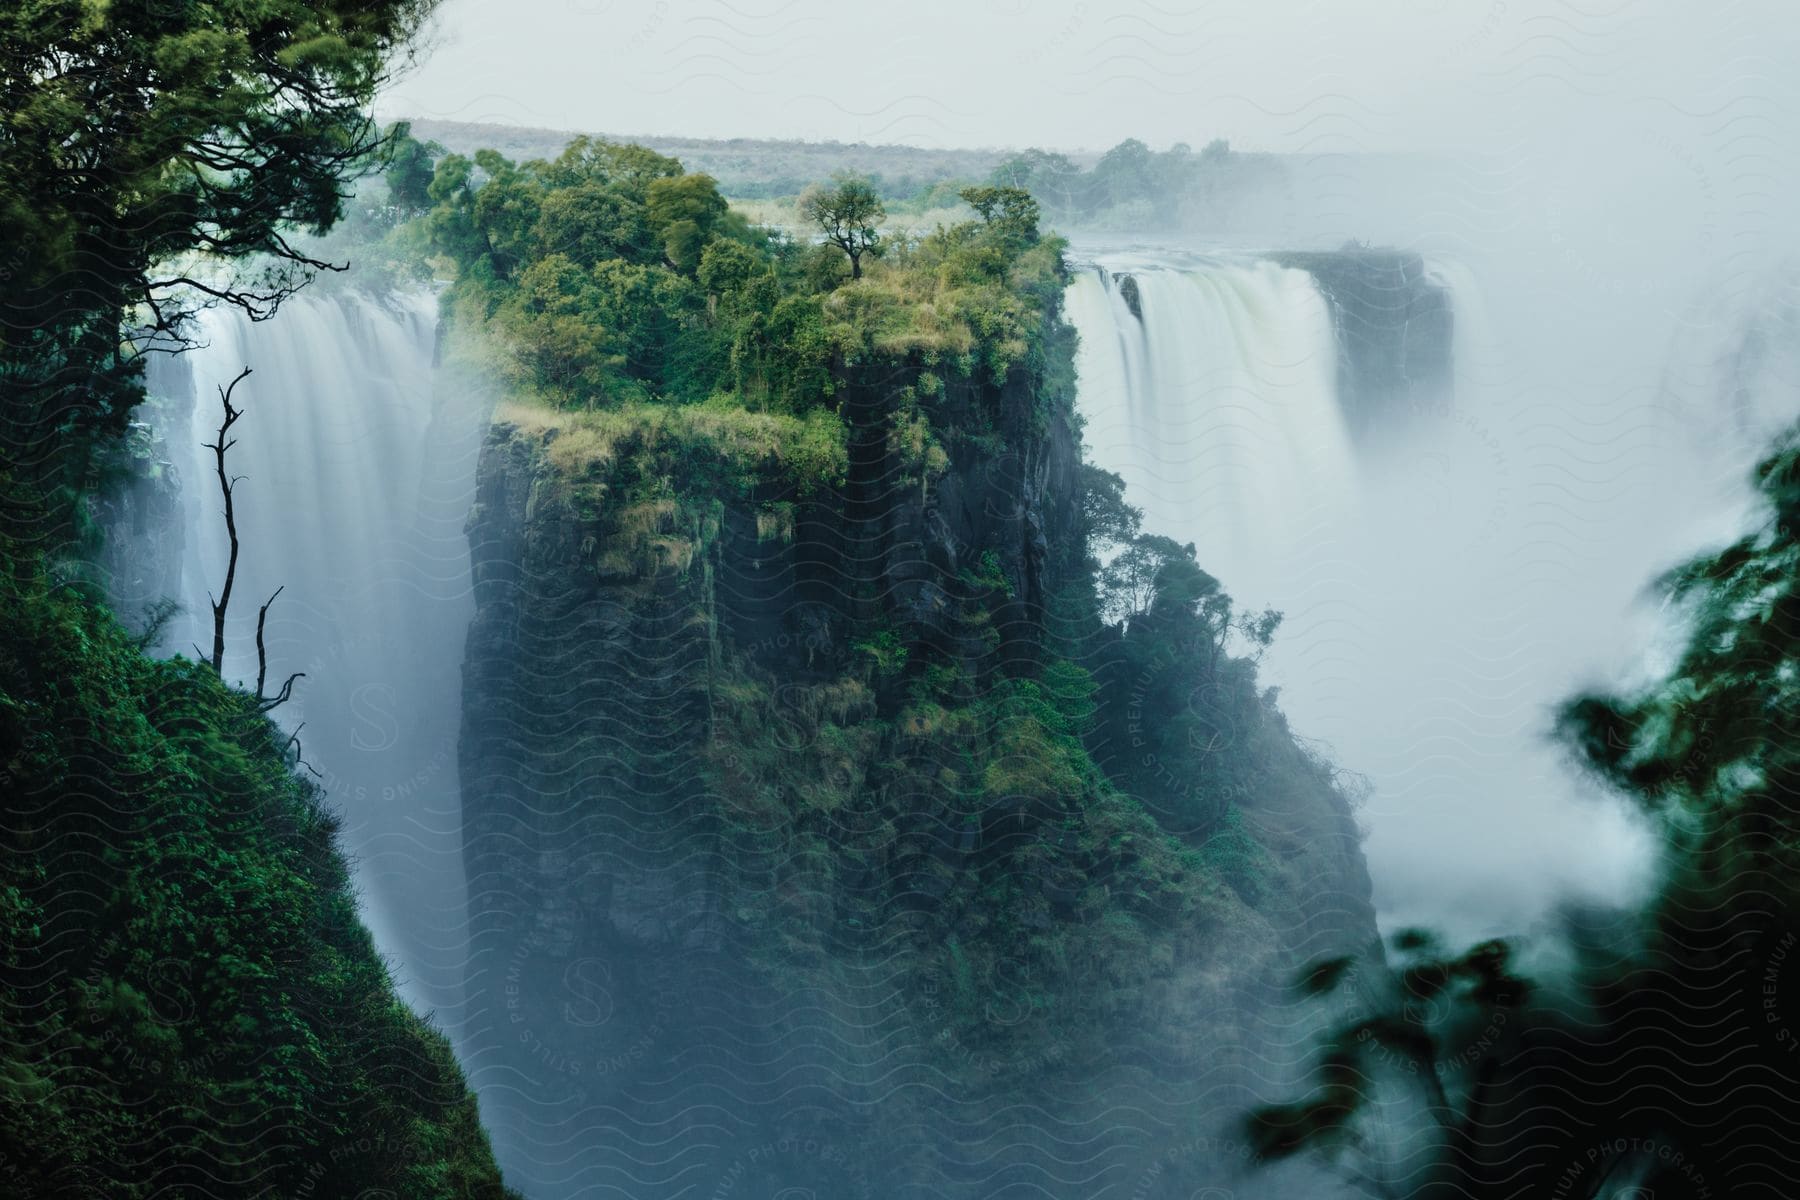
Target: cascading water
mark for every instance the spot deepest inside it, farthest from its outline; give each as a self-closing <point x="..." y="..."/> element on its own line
<point x="357" y="463"/>
<point x="1445" y="570"/>
<point x="1212" y="392"/>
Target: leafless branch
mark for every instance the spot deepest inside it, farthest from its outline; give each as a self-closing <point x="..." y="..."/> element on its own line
<point x="283" y="696"/>
<point x="226" y="483"/>
<point x="294" y="741"/>
<point x="262" y="656"/>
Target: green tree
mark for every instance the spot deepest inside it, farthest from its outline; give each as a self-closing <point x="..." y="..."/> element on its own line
<point x="560" y="338"/>
<point x="685" y="211"/>
<point x="591" y="222"/>
<point x="506" y="211"/>
<point x="134" y="135"/>
<point x="1129" y="584"/>
<point x="410" y="169"/>
<point x="1009" y="210"/>
<point x="1108" y="520"/>
<point x="1184" y="728"/>
<point x="1124" y="173"/>
<point x="730" y="268"/>
<point x="849" y="214"/>
<point x="1051" y="177"/>
<point x="631" y="168"/>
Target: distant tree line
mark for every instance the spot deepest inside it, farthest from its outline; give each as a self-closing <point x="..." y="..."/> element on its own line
<point x="1134" y="186"/>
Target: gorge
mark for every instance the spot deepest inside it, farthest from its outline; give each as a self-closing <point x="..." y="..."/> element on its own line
<point x="630" y="989"/>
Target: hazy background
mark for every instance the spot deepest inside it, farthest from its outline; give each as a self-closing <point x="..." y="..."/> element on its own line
<point x="1292" y="75"/>
<point x="1610" y="181"/>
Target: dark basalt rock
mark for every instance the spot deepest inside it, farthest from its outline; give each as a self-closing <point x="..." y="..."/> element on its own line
<point x="1128" y="292"/>
<point x="1395" y="333"/>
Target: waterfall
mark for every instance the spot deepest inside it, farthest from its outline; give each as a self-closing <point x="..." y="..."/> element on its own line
<point x="1215" y="399"/>
<point x="357" y="463"/>
<point x="1446" y="571"/>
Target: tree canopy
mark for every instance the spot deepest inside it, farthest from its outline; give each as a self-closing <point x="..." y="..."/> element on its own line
<point x="849" y="214"/>
<point x="610" y="276"/>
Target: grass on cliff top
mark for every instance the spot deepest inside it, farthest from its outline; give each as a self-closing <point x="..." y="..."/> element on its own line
<point x="904" y="217"/>
<point x="962" y="295"/>
<point x="709" y="439"/>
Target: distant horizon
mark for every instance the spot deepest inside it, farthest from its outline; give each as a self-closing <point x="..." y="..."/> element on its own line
<point x="1075" y="153"/>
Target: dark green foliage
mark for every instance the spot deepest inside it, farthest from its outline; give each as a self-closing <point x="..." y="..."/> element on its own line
<point x="190" y="1003"/>
<point x="1186" y="728"/>
<point x="409" y="170"/>
<point x="1020" y="880"/>
<point x="1660" y="1059"/>
<point x="121" y="152"/>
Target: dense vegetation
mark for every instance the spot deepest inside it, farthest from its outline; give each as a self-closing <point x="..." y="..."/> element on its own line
<point x="1643" y="1052"/>
<point x="613" y="276"/>
<point x="188" y="1003"/>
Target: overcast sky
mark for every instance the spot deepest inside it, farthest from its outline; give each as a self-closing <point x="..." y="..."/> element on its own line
<point x="1275" y="74"/>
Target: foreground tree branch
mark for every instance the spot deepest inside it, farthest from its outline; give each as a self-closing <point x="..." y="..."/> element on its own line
<point x="266" y="702"/>
<point x="226" y="486"/>
<point x="120" y="152"/>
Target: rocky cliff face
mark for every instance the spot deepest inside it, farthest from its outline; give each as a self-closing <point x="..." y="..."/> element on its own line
<point x="1395" y="329"/>
<point x="787" y="867"/>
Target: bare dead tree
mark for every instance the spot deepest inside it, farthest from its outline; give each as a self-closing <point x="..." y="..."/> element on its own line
<point x="227" y="485"/>
<point x="265" y="702"/>
<point x="262" y="657"/>
<point x="293" y="743"/>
